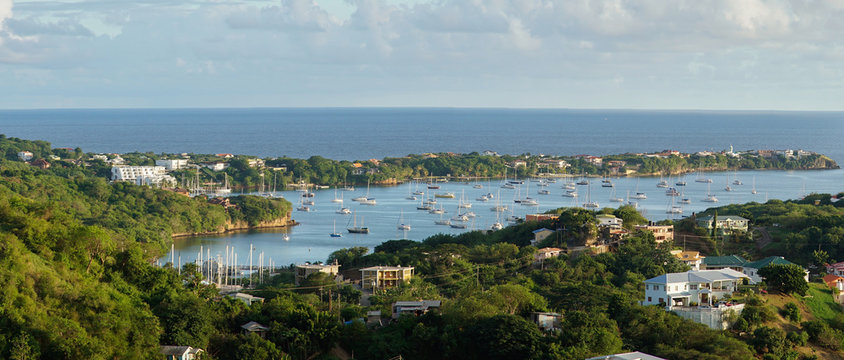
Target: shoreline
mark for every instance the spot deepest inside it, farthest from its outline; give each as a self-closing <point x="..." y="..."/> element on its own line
<point x="288" y="223"/>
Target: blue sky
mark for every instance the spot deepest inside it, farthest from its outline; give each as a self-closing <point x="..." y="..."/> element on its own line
<point x="653" y="54"/>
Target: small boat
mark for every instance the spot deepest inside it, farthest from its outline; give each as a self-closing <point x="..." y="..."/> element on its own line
<point x="478" y="186"/>
<point x="335" y="233"/>
<point x="672" y="192"/>
<point x="616" y="199"/>
<point x="529" y="202"/>
<point x="685" y="201"/>
<point x="703" y="180"/>
<point x="516" y="182"/>
<point x="424" y="207"/>
<point x="640" y="196"/>
<point x="662" y="184"/>
<point x="508" y="186"/>
<point x="591" y="205"/>
<point x="430" y="202"/>
<point x="460" y="218"/>
<point x="489" y="196"/>
<point x="343" y="211"/>
<point x="447" y="195"/>
<point x="458" y="225"/>
<point x="710" y="198"/>
<point x="308" y="202"/>
<point x="285" y="237"/>
<point x="582" y="182"/>
<point x="571" y="194"/>
<point x="544" y="192"/>
<point x="336" y="199"/>
<point x="728" y="188"/>
<point x="359" y="198"/>
<point x="498" y="208"/>
<point x="542" y="184"/>
<point x="402" y="226"/>
<point x="513" y="219"/>
<point x="607" y="183"/>
<point x="412" y="198"/>
<point x="482" y="198"/>
<point x="674" y="210"/>
<point x="368" y="201"/>
<point x="680" y="183"/>
<point x="442" y="222"/>
<point x="737" y="182"/>
<point x="418" y="193"/>
<point x="433" y="187"/>
<point x="437" y="211"/>
<point x="496" y="226"/>
<point x="469" y="214"/>
<point x="303" y="208"/>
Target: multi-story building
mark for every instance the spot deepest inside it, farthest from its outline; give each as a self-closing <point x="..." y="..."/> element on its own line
<point x="305" y="270"/>
<point x="382" y="277"/>
<point x="25" y="155"/>
<point x="172" y="164"/>
<point x="691" y="258"/>
<point x="131" y="173"/>
<point x="725" y="223"/>
<point x="686" y="288"/>
<point x="662" y="233"/>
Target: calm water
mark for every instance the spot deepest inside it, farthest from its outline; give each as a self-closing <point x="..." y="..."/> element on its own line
<point x="349" y="134"/>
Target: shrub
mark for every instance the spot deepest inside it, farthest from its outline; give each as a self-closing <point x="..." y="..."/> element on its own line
<point x="792" y="312"/>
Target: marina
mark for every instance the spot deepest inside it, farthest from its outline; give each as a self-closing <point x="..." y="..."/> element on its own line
<point x="310" y="241"/>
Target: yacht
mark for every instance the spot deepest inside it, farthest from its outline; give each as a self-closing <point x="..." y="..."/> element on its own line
<point x="710" y="198"/>
<point x="482" y="198"/>
<point x="355" y="229"/>
<point x="496" y="226"/>
<point x="433" y="187"/>
<point x="571" y="194"/>
<point x="672" y="192"/>
<point x="368" y="201"/>
<point x="344" y="211"/>
<point x="583" y="182"/>
<point x="662" y="184"/>
<point x="680" y="183"/>
<point x="498" y="208"/>
<point x="458" y="225"/>
<point x="674" y="210"/>
<point x="478" y="186"/>
<point x="442" y="222"/>
<point x="436" y="211"/>
<point x="303" y="208"/>
<point x="447" y="195"/>
<point x="508" y="186"/>
<point x="308" y="202"/>
<point x="335" y="234"/>
<point x="529" y="202"/>
<point x="544" y="192"/>
<point x="685" y="201"/>
<point x="639" y="195"/>
<point x="418" y="193"/>
<point x="412" y="198"/>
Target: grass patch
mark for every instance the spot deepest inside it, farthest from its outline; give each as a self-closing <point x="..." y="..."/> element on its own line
<point x="820" y="302"/>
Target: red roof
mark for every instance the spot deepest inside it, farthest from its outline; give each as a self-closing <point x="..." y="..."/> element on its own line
<point x="829" y="280"/>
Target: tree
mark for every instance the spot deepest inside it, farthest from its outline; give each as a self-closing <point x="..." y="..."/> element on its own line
<point x="786" y="278"/>
<point x="502" y="337"/>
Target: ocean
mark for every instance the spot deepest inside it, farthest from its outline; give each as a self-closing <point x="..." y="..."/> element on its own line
<point x="365" y="133"/>
<point x="355" y="133"/>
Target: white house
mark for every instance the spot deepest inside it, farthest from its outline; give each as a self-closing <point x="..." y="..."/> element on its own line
<point x="131" y="173"/>
<point x="683" y="289"/>
<point x="217" y="166"/>
<point x="417" y="308"/>
<point x="546" y="253"/>
<point x="835" y="269"/>
<point x="725" y="223"/>
<point x="305" y="270"/>
<point x="172" y="164"/>
<point x="25" y="155"/>
<point x="609" y="220"/>
<point x="180" y="352"/>
<point x="751" y="268"/>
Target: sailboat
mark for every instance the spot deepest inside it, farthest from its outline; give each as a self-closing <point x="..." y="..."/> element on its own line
<point x="402" y="226"/>
<point x="754" y="186"/>
<point x="639" y="195"/>
<point x="424" y="206"/>
<point x="710" y="197"/>
<point x="225" y="189"/>
<point x="702" y="179"/>
<point x="497" y="225"/>
<point x="737" y="181"/>
<point x="336" y="199"/>
<point x="410" y="195"/>
<point x="365" y="197"/>
<point x="662" y="183"/>
<point x="673" y="209"/>
<point x="614" y="198"/>
<point x="589" y="204"/>
<point x="442" y="221"/>
<point x="335" y="233"/>
<point x="726" y="181"/>
<point x="343" y="211"/>
<point x="354" y="229"/>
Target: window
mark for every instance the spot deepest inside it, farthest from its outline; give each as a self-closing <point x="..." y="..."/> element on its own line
<point x="649" y="299"/>
<point x="647" y="287"/>
<point x="693" y="286"/>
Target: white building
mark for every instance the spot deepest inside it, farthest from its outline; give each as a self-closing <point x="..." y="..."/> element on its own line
<point x="683" y="289"/>
<point x="25" y="155"/>
<point x="172" y="164"/>
<point x="218" y="166"/>
<point x="691" y="258"/>
<point x="131" y="173"/>
<point x="627" y="356"/>
<point x="609" y="220"/>
<point x="155" y="180"/>
<point x="305" y="270"/>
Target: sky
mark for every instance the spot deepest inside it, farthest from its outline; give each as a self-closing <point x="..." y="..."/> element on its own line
<point x="637" y="54"/>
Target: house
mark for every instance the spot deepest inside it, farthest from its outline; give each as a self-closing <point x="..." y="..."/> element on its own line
<point x="627" y="356"/>
<point x="693" y="295"/>
<point x="546" y="253"/>
<point x="691" y="258"/>
<point x="180" y="352"/>
<point x="751" y="268"/>
<point x="416" y="308"/>
<point x="541" y="217"/>
<point x="246" y="298"/>
<point x="170" y="165"/>
<point x="116" y="160"/>
<point x="547" y="320"/>
<point x="305" y="270"/>
<point x="101" y="157"/>
<point x="726" y="223"/>
<point x="25" y="155"/>
<point x="141" y="175"/>
<point x="222" y="201"/>
<point x="609" y="220"/>
<point x="835" y="269"/>
<point x="225" y="156"/>
<point x="834" y="281"/>
<point x="41" y="164"/>
<point x="559" y="164"/>
<point x="734" y="262"/>
<point x="662" y="233"/>
<point x="373" y="317"/>
<point x="489" y="153"/>
<point x="216" y="166"/>
<point x="254" y="328"/>
<point x="748" y="268"/>
<point x="693" y="286"/>
<point x="541" y="234"/>
<point x="517" y="163"/>
<point x="382" y="277"/>
<point x="255" y="163"/>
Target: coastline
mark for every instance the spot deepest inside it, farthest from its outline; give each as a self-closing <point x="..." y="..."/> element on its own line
<point x="240" y="227"/>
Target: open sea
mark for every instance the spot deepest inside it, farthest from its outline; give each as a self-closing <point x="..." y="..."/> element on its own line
<point x="364" y="133"/>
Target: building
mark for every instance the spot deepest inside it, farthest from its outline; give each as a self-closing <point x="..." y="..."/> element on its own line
<point x="541" y="217"/>
<point x="489" y="153"/>
<point x="691" y="258"/>
<point x="748" y="268"/>
<point x="225" y="156"/>
<point x="41" y="164"/>
<point x="180" y="352"/>
<point x="694" y="295"/>
<point x="383" y="277"/>
<point x="726" y="223"/>
<point x="373" y="318"/>
<point x="559" y="164"/>
<point x="517" y="163"/>
<point x="547" y="321"/>
<point x="305" y="270"/>
<point x="132" y="173"/>
<point x="702" y="287"/>
<point x="751" y="268"/>
<point x="254" y="328"/>
<point x="835" y="269"/>
<point x="547" y="253"/>
<point x="155" y="180"/>
<point x="416" y="308"/>
<point x="246" y="298"/>
<point x="609" y="220"/>
<point x="216" y="166"/>
<point x="541" y="234"/>
<point x="662" y="233"/>
<point x="627" y="356"/>
<point x="25" y="155"/>
<point x="172" y="164"/>
<point x="734" y="262"/>
<point x="834" y="281"/>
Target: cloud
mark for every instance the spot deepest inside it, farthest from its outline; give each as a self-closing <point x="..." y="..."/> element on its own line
<point x="296" y="15"/>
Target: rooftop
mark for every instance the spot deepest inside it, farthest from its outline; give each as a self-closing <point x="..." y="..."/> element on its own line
<point x="697" y="276"/>
<point x="548" y="249"/>
<point x="541" y="230"/>
<point x="722" y="217"/>
<point x="627" y="356"/>
<point x="253" y="326"/>
<point x="316" y="266"/>
<point x="729" y="260"/>
<point x="388" y="268"/>
<point x="770" y="260"/>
